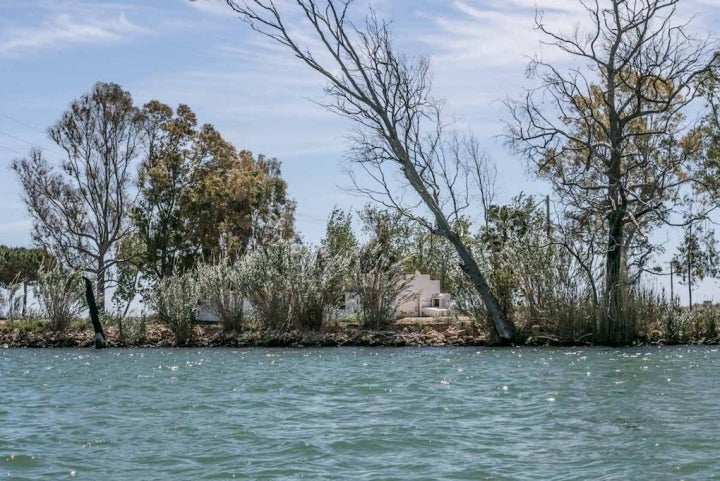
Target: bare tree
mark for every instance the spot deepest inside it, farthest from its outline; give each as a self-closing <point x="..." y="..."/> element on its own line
<point x="79" y="205"/>
<point x="606" y="131"/>
<point x="398" y="122"/>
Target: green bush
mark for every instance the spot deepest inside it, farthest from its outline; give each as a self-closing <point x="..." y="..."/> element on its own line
<point x="220" y="289"/>
<point x="61" y="296"/>
<point x="379" y="281"/>
<point x="177" y="299"/>
<point x="291" y="286"/>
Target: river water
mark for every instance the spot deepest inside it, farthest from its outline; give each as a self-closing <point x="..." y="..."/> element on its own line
<point x="365" y="414"/>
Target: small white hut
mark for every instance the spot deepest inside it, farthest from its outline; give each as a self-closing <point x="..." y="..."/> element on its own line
<point x="422" y="298"/>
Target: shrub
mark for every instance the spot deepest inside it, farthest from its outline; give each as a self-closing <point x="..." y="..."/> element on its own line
<point x="265" y="275"/>
<point x="61" y="296"/>
<point x="220" y="289"/>
<point x="291" y="286"/>
<point x="379" y="281"/>
<point x="177" y="299"/>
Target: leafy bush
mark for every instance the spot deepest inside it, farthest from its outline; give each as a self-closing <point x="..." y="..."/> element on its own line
<point x="379" y="281"/>
<point x="266" y="278"/>
<point x="220" y="290"/>
<point x="129" y="329"/>
<point x="177" y="299"/>
<point x="291" y="286"/>
<point x="61" y="295"/>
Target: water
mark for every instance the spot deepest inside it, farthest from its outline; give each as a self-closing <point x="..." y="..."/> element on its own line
<point x="365" y="414"/>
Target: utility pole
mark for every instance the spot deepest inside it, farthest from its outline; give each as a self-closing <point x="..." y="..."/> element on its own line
<point x="672" y="287"/>
<point x="689" y="265"/>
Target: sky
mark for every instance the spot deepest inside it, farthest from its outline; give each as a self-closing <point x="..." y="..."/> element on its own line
<point x="256" y="93"/>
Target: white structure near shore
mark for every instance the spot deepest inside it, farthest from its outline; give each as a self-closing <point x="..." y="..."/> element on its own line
<point x="420" y="298"/>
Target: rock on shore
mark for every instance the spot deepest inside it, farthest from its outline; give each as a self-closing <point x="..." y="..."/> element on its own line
<point x="157" y="335"/>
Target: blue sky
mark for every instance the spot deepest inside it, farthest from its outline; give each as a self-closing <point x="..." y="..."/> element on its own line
<point x="254" y="92"/>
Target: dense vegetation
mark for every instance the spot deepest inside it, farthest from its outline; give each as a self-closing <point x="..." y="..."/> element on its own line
<point x="155" y="206"/>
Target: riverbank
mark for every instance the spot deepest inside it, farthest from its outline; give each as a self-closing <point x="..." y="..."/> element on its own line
<point x="430" y="332"/>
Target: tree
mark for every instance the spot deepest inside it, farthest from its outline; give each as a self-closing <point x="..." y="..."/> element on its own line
<point x="379" y="280"/>
<point x="339" y="238"/>
<point x="607" y="131"/>
<point x="399" y="127"/>
<point x="697" y="257"/>
<point x="236" y="201"/>
<point x="202" y="199"/>
<point x="165" y="174"/>
<point x="20" y="265"/>
<point x="79" y="205"/>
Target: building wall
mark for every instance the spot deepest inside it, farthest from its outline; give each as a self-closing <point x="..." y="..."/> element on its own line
<point x="422" y="297"/>
<point x="418" y="295"/>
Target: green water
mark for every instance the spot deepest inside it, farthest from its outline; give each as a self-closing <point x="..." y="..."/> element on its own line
<point x="366" y="414"/>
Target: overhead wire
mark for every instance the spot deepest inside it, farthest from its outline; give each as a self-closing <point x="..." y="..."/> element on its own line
<point x="15" y="137"/>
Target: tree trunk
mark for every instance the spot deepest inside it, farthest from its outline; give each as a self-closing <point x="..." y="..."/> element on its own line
<point x="504" y="330"/>
<point x="24" y="300"/>
<point x="100" y="289"/>
<point x="615" y="329"/>
<point x="609" y="326"/>
<point x="100" y="339"/>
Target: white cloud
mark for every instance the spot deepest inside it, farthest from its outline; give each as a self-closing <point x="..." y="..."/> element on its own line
<point x="212" y="7"/>
<point x="494" y="34"/>
<point x="67" y="29"/>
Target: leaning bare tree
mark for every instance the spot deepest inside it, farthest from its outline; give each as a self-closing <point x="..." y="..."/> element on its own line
<point x="79" y="205"/>
<point x="606" y="131"/>
<point x="398" y="122"/>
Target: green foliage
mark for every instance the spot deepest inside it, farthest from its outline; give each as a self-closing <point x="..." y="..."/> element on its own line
<point x="697" y="256"/>
<point x="702" y="145"/>
<point x="221" y="291"/>
<point x="20" y="264"/>
<point x="292" y="286"/>
<point x="685" y="325"/>
<point x="538" y="282"/>
<point x="379" y="281"/>
<point x="128" y="276"/>
<point x="237" y="201"/>
<point x="164" y="176"/>
<point x="130" y="330"/>
<point x="200" y="198"/>
<point x="431" y="253"/>
<point x="61" y="294"/>
<point x="19" y="267"/>
<point x="266" y="277"/>
<point x="339" y="238"/>
<point x="177" y="300"/>
<point x="387" y="229"/>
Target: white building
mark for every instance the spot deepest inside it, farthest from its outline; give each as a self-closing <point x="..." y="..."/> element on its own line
<point x="421" y="298"/>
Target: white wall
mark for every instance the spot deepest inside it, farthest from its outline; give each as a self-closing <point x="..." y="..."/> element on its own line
<point x="418" y="295"/>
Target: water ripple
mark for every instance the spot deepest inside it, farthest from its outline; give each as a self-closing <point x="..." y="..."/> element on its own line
<point x="369" y="414"/>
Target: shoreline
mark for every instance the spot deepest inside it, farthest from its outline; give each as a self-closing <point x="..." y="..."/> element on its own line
<point x="211" y="335"/>
<point x="407" y="334"/>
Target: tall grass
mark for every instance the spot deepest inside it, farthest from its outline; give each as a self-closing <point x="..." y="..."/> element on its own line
<point x="283" y="286"/>
<point x="291" y="286"/>
<point x="220" y="289"/>
<point x="177" y="299"/>
<point x="61" y="296"/>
